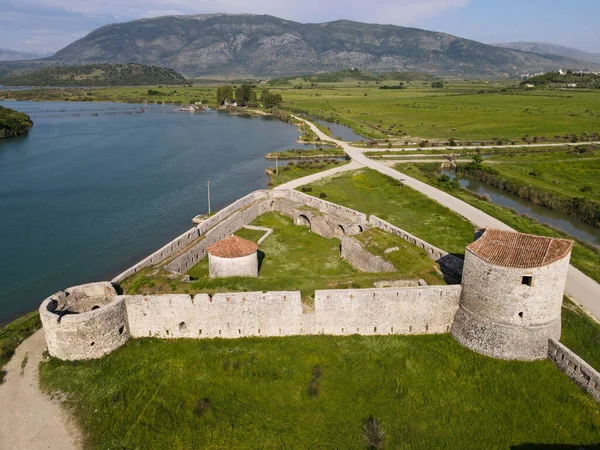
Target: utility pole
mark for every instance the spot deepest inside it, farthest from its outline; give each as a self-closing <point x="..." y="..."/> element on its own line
<point x="276" y="166"/>
<point x="208" y="197"/>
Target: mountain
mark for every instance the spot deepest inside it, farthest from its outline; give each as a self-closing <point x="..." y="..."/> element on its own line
<point x="253" y="45"/>
<point x="551" y="49"/>
<point x="94" y="75"/>
<point x="12" y="55"/>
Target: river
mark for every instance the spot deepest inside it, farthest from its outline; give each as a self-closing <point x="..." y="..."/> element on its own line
<point x="84" y="197"/>
<point x="559" y="220"/>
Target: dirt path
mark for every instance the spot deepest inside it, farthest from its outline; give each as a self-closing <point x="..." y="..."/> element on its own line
<point x="30" y="420"/>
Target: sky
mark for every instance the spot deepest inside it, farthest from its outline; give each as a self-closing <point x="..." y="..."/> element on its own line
<point x="43" y="26"/>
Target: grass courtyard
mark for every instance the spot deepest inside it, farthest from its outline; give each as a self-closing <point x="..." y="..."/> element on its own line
<point x="297" y="259"/>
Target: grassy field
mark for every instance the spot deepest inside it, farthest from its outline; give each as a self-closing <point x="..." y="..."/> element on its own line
<point x="316" y="392"/>
<point x="370" y="192"/>
<point x="584" y="258"/>
<point x="294" y="170"/>
<point x="14" y="333"/>
<point x="465" y="111"/>
<point x="297" y="259"/>
<point x="571" y="173"/>
<point x="459" y="113"/>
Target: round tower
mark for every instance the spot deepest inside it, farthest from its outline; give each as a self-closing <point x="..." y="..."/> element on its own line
<point x="233" y="257"/>
<point x="512" y="292"/>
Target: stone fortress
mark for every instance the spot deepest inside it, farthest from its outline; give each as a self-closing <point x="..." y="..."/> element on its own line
<point x="507" y="306"/>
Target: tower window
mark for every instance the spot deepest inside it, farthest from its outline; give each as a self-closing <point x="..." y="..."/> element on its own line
<point x="527" y="280"/>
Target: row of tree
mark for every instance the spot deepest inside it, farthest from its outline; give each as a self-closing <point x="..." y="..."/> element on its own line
<point x="245" y="95"/>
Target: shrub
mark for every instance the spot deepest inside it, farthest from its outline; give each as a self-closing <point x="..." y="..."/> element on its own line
<point x="322" y="195"/>
<point x="306" y="189"/>
<point x="373" y="434"/>
<point x="586" y="189"/>
<point x="202" y="406"/>
<point x="2" y="376"/>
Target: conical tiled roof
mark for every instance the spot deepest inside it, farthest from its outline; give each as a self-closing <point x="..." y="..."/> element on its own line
<point x="233" y="247"/>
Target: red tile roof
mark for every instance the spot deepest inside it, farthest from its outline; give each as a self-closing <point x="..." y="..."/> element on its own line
<point x="233" y="247"/>
<point x="517" y="250"/>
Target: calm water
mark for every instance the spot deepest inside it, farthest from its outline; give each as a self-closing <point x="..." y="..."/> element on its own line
<point x="82" y="198"/>
<point x="337" y="130"/>
<point x="561" y="221"/>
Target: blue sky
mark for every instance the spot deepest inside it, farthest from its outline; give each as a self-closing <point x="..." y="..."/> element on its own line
<point x="49" y="25"/>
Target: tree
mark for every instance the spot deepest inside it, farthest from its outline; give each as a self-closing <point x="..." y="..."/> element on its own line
<point x="244" y="95"/>
<point x="224" y="94"/>
<point x="270" y="100"/>
<point x="437" y="85"/>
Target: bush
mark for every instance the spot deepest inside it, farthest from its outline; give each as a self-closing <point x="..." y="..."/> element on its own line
<point x="2" y="376"/>
<point x="202" y="406"/>
<point x="373" y="434"/>
<point x="306" y="189"/>
<point x="322" y="195"/>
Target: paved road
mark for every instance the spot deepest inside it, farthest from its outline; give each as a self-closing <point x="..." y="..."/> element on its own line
<point x="352" y="165"/>
<point x="29" y="419"/>
<point x="579" y="286"/>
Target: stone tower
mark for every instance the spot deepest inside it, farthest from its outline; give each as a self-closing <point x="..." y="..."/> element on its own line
<point x="512" y="292"/>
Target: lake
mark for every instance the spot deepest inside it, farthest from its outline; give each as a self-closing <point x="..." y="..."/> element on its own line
<point x="95" y="188"/>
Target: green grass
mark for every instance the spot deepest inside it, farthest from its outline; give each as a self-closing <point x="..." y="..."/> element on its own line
<point x="426" y="391"/>
<point x="564" y="173"/>
<point x="466" y="111"/>
<point x="16" y="332"/>
<point x="370" y="192"/>
<point x="460" y="112"/>
<point x="581" y="333"/>
<point x="584" y="258"/>
<point x="294" y="170"/>
<point x="320" y="152"/>
<point x="296" y="259"/>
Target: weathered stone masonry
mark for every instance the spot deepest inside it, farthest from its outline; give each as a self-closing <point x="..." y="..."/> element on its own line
<point x="508" y="306"/>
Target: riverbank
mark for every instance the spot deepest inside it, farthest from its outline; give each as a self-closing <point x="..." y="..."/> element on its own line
<point x="585" y="257"/>
<point x="13" y="123"/>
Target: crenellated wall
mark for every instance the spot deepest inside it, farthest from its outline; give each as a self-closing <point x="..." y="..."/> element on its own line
<point x="584" y="375"/>
<point x="92" y="334"/>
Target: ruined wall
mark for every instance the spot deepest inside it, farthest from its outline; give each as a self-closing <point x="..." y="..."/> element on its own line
<point x="450" y="265"/>
<point x="355" y="254"/>
<point x="412" y="310"/>
<point x="86" y="335"/>
<point x="244" y="266"/>
<point x="501" y="317"/>
<point x="584" y="375"/>
<point x="92" y="334"/>
<point x="216" y="233"/>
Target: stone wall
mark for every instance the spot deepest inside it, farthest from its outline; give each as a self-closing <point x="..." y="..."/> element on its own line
<point x="501" y="317"/>
<point x="450" y="265"/>
<point x="86" y="335"/>
<point x="584" y="375"/>
<point x="92" y="334"/>
<point x="412" y="310"/>
<point x="363" y="260"/>
<point x="244" y="266"/>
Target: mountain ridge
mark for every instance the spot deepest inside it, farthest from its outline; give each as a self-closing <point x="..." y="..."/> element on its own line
<point x="552" y="49"/>
<point x="263" y="45"/>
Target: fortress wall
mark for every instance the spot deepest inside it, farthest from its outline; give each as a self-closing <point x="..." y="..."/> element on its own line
<point x="584" y="375"/>
<point x="342" y="212"/>
<point x="355" y="254"/>
<point x="221" y="230"/>
<point x="84" y="336"/>
<point x="413" y="310"/>
<point x="447" y="262"/>
<point x="160" y="255"/>
<point x="236" y="206"/>
<point x="222" y="316"/>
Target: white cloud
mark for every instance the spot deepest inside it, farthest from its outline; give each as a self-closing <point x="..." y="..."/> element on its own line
<point x="401" y="12"/>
